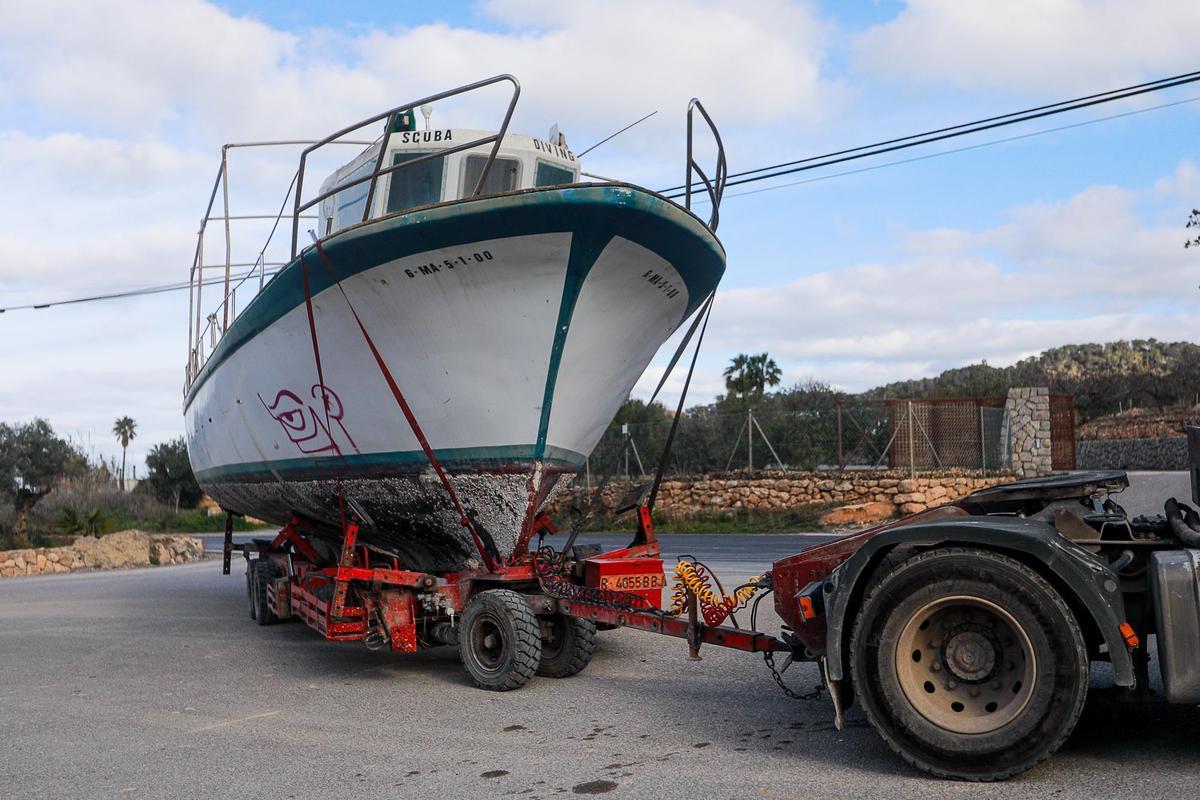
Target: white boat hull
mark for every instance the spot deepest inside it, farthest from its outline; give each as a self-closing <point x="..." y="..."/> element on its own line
<point x="512" y="357"/>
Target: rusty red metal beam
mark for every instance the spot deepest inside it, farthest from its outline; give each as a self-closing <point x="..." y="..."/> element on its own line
<point x="735" y="638"/>
<point x="289" y="533"/>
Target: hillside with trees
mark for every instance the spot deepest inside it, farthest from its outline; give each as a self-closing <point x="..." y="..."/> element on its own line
<point x="1104" y="378"/>
<point x="801" y="421"/>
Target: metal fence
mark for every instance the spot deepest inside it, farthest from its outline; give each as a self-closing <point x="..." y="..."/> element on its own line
<point x="851" y="434"/>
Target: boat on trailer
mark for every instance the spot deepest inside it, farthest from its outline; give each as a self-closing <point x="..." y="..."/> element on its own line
<point x="443" y="356"/>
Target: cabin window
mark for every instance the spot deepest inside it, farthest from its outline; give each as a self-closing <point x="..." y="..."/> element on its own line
<point x="502" y="177"/>
<point x="418" y="185"/>
<point x="350" y="203"/>
<point x="552" y="175"/>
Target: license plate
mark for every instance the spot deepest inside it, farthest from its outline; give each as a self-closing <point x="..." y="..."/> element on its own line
<point x="653" y="580"/>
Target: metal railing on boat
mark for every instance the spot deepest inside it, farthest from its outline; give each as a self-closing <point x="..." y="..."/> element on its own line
<point x="715" y="186"/>
<point x="380" y="170"/>
<point x="212" y="326"/>
<point x="219" y="318"/>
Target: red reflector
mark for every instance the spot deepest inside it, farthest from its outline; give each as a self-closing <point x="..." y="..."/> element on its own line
<point x="1131" y="637"/>
<point x="806" y="608"/>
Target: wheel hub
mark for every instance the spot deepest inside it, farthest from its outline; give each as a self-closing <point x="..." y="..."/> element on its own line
<point x="965" y="664"/>
<point x="970" y="655"/>
<point x="489" y="646"/>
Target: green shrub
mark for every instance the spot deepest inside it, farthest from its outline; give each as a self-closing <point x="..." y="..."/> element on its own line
<point x="86" y="523"/>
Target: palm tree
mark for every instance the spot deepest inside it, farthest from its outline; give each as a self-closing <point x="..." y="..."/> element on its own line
<point x="736" y="375"/>
<point x="748" y="376"/>
<point x="125" y="429"/>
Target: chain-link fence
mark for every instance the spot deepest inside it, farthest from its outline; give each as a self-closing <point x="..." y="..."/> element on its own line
<point x="969" y="433"/>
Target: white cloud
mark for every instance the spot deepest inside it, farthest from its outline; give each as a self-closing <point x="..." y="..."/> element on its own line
<point x="1183" y="184"/>
<point x="75" y="161"/>
<point x="138" y="65"/>
<point x="1033" y="45"/>
<point x="54" y="268"/>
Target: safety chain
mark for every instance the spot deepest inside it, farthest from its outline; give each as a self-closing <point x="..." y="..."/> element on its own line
<point x="555" y="583"/>
<point x="769" y="657"/>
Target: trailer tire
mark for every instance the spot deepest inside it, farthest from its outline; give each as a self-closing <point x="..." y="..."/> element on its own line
<point x="567" y="645"/>
<point x="969" y="664"/>
<point x="265" y="571"/>
<point x="499" y="641"/>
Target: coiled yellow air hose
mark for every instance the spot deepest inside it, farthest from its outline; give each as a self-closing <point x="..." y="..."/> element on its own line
<point x="694" y="577"/>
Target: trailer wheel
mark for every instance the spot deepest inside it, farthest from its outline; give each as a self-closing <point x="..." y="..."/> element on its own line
<point x="265" y="571"/>
<point x="499" y="641"/>
<point x="969" y="664"/>
<point x="567" y="645"/>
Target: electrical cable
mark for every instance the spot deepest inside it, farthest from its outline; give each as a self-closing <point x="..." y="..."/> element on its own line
<point x="134" y="292"/>
<point x="951" y="132"/>
<point x="952" y="151"/>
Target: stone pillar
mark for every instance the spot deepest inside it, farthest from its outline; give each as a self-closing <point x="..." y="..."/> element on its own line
<point x="1028" y="411"/>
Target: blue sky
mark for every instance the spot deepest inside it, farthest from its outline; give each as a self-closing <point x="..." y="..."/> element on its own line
<point x="111" y="119"/>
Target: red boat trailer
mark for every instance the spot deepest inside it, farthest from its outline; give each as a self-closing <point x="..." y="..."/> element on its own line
<point x="943" y="622"/>
<point x="366" y="596"/>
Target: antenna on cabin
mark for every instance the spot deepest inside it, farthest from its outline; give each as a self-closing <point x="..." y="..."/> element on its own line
<point x="618" y="133"/>
<point x="427" y="112"/>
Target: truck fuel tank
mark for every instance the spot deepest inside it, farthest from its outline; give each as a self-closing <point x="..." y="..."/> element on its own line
<point x="1175" y="578"/>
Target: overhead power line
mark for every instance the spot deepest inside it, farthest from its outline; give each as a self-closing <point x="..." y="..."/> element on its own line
<point x="136" y="292"/>
<point x="825" y="160"/>
<point x="941" y="134"/>
<point x="952" y="151"/>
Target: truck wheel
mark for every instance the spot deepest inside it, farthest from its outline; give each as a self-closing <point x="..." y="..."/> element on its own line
<point x="969" y="664"/>
<point x="567" y="645"/>
<point x="499" y="641"/>
<point x="265" y="571"/>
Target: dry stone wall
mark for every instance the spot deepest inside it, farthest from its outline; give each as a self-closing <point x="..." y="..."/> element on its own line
<point x="1029" y="430"/>
<point x="114" y="551"/>
<point x="781" y="491"/>
<point x="1133" y="454"/>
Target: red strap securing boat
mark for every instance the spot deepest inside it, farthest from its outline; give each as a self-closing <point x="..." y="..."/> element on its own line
<point x="312" y="331"/>
<point x="404" y="407"/>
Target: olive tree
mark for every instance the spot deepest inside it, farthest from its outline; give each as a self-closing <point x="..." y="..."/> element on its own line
<point x="32" y="461"/>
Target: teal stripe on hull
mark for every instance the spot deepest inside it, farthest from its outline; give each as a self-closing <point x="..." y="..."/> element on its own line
<point x="589" y="213"/>
<point x="407" y="462"/>
<point x="585" y="249"/>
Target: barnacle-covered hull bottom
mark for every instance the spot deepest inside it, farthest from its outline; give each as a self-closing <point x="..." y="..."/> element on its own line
<point x="411" y="516"/>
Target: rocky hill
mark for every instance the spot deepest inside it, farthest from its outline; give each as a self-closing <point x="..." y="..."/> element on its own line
<point x="1139" y="423"/>
<point x="1104" y="378"/>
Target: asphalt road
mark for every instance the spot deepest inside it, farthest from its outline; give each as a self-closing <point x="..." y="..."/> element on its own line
<point x="155" y="683"/>
<point x="1149" y="490"/>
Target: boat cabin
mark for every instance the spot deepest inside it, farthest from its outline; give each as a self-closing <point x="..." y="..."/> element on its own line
<point x="522" y="162"/>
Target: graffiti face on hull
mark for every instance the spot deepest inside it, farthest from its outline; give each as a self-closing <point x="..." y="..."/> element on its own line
<point x="307" y="425"/>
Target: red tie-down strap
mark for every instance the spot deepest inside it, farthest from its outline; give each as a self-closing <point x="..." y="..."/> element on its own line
<point x="316" y="347"/>
<point x="408" y="414"/>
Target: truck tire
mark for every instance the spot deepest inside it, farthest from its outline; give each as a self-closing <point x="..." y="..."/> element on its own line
<point x="567" y="645"/>
<point x="968" y="664"/>
<point x="265" y="571"/>
<point x="499" y="641"/>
